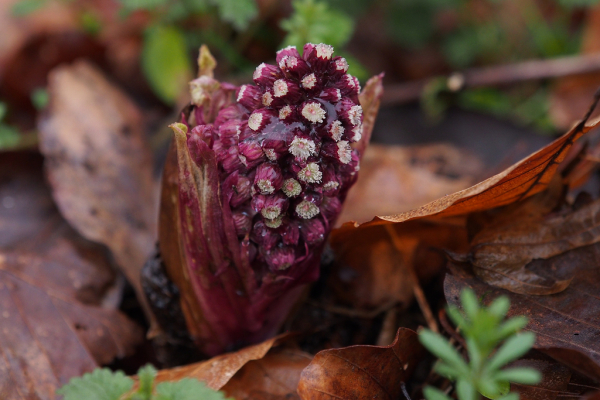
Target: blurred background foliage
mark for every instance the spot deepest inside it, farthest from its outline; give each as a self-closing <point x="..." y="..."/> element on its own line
<point x="408" y="39"/>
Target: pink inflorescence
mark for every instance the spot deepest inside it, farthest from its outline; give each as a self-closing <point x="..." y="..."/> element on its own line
<point x="284" y="152"/>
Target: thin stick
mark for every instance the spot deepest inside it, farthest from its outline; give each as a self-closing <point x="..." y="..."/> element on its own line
<point x="498" y="75"/>
<point x="417" y="290"/>
<point x="403" y="386"/>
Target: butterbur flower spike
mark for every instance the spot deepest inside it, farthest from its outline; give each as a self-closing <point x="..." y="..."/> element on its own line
<point x="258" y="188"/>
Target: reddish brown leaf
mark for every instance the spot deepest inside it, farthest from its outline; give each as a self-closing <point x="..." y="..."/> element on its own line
<point x="360" y="372"/>
<point x="524" y="179"/>
<point x="273" y="377"/>
<point x="554" y="383"/>
<point x="99" y="167"/>
<point x="57" y="304"/>
<point x="369" y="99"/>
<point x="567" y="324"/>
<point x="394" y="178"/>
<point x="217" y="371"/>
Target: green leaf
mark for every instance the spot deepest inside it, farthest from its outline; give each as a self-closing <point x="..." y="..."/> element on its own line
<point x="447" y="371"/>
<point x="513" y="348"/>
<point x="101" y="384"/>
<point x="3" y="110"/>
<point x="510" y="396"/>
<point x="492" y="389"/>
<point x="512" y="326"/>
<point x="40" y="98"/>
<point x="165" y="62"/>
<point x="457" y="317"/>
<point x="499" y="307"/>
<point x="470" y="303"/>
<point x="132" y="5"/>
<point x="237" y="12"/>
<point x="465" y="390"/>
<point x="186" y="389"/>
<point x="432" y="393"/>
<point x="314" y="22"/>
<point x="146" y="375"/>
<point x="440" y="347"/>
<point x="522" y="375"/>
<point x="9" y="137"/>
<point x="25" y="7"/>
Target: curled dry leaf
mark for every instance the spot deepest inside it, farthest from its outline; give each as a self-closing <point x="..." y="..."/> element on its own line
<point x="273" y="377"/>
<point x="360" y="372"/>
<point x="393" y="178"/>
<point x="99" y="167"/>
<point x="567" y="324"/>
<point x="524" y="179"/>
<point x="369" y="99"/>
<point x="56" y="300"/>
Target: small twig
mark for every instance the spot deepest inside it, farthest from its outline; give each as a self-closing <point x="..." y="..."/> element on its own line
<point x="448" y="328"/>
<point x="497" y="75"/>
<point x="403" y="386"/>
<point x="417" y="290"/>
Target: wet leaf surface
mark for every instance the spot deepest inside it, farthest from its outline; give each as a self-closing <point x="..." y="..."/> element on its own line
<point x="359" y="372"/>
<point x="99" y="167"/>
<point x="57" y="295"/>
<point x="567" y="324"/>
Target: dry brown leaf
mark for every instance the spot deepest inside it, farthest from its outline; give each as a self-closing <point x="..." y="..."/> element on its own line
<point x="99" y="167"/>
<point x="395" y="178"/>
<point x="273" y="377"/>
<point x="369" y="99"/>
<point x="566" y="324"/>
<point x="217" y="371"/>
<point x="554" y="383"/>
<point x="526" y="178"/>
<point x="58" y="312"/>
<point x="360" y="372"/>
<point x="371" y="272"/>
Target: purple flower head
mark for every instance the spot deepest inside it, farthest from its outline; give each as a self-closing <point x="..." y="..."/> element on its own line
<point x="272" y="168"/>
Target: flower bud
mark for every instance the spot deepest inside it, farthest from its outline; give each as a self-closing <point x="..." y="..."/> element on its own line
<point x="251" y="153"/>
<point x="310" y="174"/>
<point x="240" y="189"/>
<point x="291" y="187"/>
<point x="249" y="96"/>
<point x="266" y="74"/>
<point x="338" y="67"/>
<point x="312" y="231"/>
<point x="307" y="209"/>
<point x="268" y="178"/>
<point x="242" y="223"/>
<point x="331" y="183"/>
<point x="302" y="148"/>
<point x="340" y="151"/>
<point x="293" y="66"/>
<point x="330" y="208"/>
<point x="280" y="258"/>
<point x="290" y="232"/>
<point x="289" y="51"/>
<point x="233" y="112"/>
<point x="318" y="56"/>
<point x="349" y="112"/>
<point x="260" y="118"/>
<point x="313" y="112"/>
<point x="311" y="83"/>
<point x="229" y="132"/>
<point x="264" y="236"/>
<point x="287" y="113"/>
<point x="349" y="86"/>
<point x="228" y="157"/>
<point x="274" y="148"/>
<point x="286" y="90"/>
<point x="334" y="130"/>
<point x="267" y="98"/>
<point x="332" y="95"/>
<point x="274" y="206"/>
<point x="205" y="133"/>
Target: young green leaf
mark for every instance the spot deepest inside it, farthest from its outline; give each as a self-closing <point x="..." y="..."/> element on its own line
<point x="512" y="349"/>
<point x="165" y="62"/>
<point x="186" y="389"/>
<point x="465" y="390"/>
<point x="492" y="389"/>
<point x="146" y="376"/>
<point x="101" y="384"/>
<point x="499" y="307"/>
<point x="524" y="376"/>
<point x="432" y="393"/>
<point x="470" y="303"/>
<point x="435" y="343"/>
<point x="512" y="326"/>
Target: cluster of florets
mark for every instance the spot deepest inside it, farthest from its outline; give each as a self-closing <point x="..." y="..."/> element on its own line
<point x="284" y="152"/>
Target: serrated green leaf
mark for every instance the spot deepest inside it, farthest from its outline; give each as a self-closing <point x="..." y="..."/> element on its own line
<point x="186" y="389"/>
<point x="146" y="376"/>
<point x="522" y="375"/>
<point x="513" y="348"/>
<point x="237" y="12"/>
<point x="440" y="347"/>
<point x="165" y="62"/>
<point x="314" y="22"/>
<point x="432" y="393"/>
<point x="101" y="384"/>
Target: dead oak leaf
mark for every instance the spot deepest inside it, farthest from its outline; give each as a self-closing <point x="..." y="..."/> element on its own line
<point x="359" y="372"/>
<point x="99" y="167"/>
<point x="566" y="324"/>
